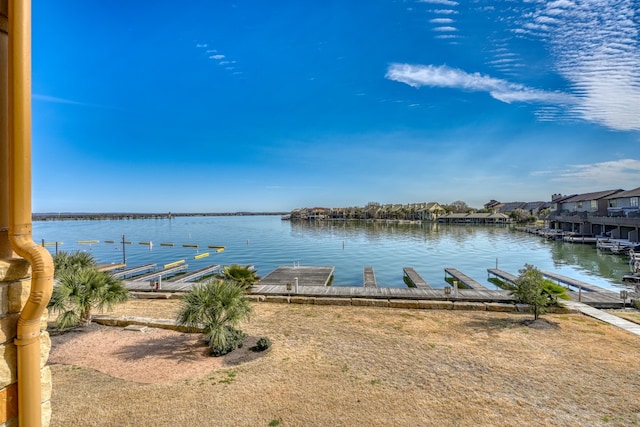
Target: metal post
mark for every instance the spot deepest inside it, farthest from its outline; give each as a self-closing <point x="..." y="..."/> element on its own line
<point x="296" y="283"/>
<point x="124" y="254"/>
<point x="579" y="292"/>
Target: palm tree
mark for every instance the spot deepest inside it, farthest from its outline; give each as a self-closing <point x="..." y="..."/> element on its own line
<point x="80" y="290"/>
<point x="218" y="306"/>
<point x="65" y="261"/>
<point x="245" y="276"/>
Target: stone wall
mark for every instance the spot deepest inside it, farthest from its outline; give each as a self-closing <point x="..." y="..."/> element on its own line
<point x="15" y="283"/>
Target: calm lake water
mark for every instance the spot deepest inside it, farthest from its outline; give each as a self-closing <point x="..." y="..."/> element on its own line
<point x="267" y="242"/>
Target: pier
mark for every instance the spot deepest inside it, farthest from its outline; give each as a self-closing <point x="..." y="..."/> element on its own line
<point x="369" y="278"/>
<point x="464" y="279"/>
<point x="189" y="277"/>
<point x="305" y="276"/>
<point x="587" y="293"/>
<point x="500" y="274"/>
<point x="131" y="271"/>
<point x="415" y="278"/>
<point x="159" y="273"/>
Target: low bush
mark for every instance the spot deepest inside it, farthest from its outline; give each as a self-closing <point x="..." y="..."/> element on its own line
<point x="262" y="344"/>
<point x="234" y="339"/>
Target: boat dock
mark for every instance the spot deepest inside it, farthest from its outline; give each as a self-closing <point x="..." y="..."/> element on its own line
<point x="111" y="267"/>
<point x="572" y="282"/>
<point x="160" y="273"/>
<point x="189" y="277"/>
<point x="131" y="271"/>
<point x="464" y="279"/>
<point x="415" y="278"/>
<point x="305" y="276"/>
<point x="500" y="274"/>
<point x="592" y="295"/>
<point x="369" y="278"/>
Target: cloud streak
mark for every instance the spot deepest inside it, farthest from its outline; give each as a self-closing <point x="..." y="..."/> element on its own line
<point x="595" y="48"/>
<point x="612" y="173"/>
<point x="447" y="77"/>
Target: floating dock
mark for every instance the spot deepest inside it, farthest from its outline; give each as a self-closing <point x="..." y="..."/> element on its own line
<point x="464" y="279"/>
<point x="160" y="273"/>
<point x="307" y="276"/>
<point x="500" y="274"/>
<point x="189" y="277"/>
<point x="369" y="278"/>
<point x="110" y="267"/>
<point x="415" y="278"/>
<point x="587" y="293"/>
<point x="133" y="270"/>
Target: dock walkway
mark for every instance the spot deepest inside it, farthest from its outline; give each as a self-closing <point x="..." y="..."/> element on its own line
<point x="501" y="274"/>
<point x="464" y="279"/>
<point x="634" y="328"/>
<point x="160" y="273"/>
<point x="195" y="275"/>
<point x="133" y="270"/>
<point x="306" y="276"/>
<point x="415" y="278"/>
<point x="369" y="278"/>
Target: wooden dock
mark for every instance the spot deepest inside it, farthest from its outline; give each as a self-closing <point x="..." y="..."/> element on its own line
<point x="158" y="274"/>
<point x="465" y="280"/>
<point x="503" y="275"/>
<point x="470" y="295"/>
<point x="369" y="278"/>
<point x="133" y="270"/>
<point x="111" y="267"/>
<point x="573" y="282"/>
<point x="189" y="277"/>
<point x="415" y="278"/>
<point x="306" y="276"/>
<point x="587" y="293"/>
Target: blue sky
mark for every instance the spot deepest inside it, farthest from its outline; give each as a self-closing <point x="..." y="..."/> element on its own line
<point x="223" y="106"/>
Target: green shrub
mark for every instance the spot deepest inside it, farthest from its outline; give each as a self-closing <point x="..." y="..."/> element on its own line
<point x="262" y="344"/>
<point x="234" y="339"/>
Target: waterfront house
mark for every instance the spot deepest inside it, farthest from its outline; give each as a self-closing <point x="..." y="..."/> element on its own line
<point x="624" y="204"/>
<point x="591" y="214"/>
<point x="586" y="204"/>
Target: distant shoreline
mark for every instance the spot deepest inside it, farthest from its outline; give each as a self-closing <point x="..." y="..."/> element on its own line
<point x="63" y="216"/>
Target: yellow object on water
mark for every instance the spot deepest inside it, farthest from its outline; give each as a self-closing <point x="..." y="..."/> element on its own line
<point x="206" y="254"/>
<point x="174" y="264"/>
<point x="87" y="242"/>
<point x="52" y="243"/>
<point x="220" y="249"/>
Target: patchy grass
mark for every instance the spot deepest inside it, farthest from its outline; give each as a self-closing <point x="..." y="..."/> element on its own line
<point x="443" y="368"/>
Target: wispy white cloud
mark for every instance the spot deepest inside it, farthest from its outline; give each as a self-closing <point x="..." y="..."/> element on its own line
<point x="442" y="2"/>
<point x="445" y="29"/>
<point x="441" y="21"/>
<point x="445" y="11"/>
<point x="595" y="47"/>
<point x="218" y="56"/>
<point x="201" y="45"/>
<point x="444" y="76"/>
<point x="612" y="173"/>
<point x="56" y="100"/>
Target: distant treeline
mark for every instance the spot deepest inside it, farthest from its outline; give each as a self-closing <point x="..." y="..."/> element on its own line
<point x="96" y="216"/>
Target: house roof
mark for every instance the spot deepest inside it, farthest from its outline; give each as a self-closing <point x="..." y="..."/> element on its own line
<point x="535" y="205"/>
<point x="511" y="206"/>
<point x="629" y="193"/>
<point x="591" y="196"/>
<point x="563" y="199"/>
